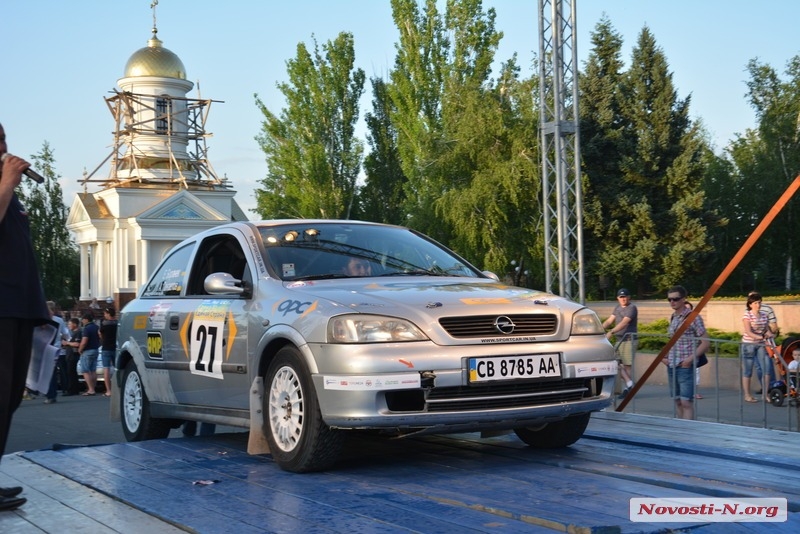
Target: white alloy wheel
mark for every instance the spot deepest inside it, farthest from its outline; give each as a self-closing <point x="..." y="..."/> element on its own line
<point x="286" y="409"/>
<point x="132" y="402"/>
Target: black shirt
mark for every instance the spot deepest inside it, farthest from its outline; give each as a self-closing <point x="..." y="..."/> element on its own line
<point x="108" y="333"/>
<point x="21" y="294"/>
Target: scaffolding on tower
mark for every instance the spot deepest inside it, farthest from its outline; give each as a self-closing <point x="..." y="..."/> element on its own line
<point x="167" y="119"/>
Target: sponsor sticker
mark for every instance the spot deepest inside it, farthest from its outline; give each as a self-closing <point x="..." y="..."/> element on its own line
<point x="595" y="369"/>
<point x="375" y="382"/>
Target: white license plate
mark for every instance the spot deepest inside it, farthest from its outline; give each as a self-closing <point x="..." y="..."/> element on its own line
<point x="514" y="367"/>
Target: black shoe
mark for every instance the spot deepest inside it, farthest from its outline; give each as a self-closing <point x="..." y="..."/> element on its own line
<point x="624" y="393"/>
<point x="11" y="503"/>
<point x="10" y="492"/>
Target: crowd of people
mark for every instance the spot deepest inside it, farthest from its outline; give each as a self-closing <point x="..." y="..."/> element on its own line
<point x="78" y="346"/>
<point x="759" y="329"/>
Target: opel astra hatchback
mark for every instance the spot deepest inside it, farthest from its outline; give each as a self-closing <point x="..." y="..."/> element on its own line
<point x="304" y="330"/>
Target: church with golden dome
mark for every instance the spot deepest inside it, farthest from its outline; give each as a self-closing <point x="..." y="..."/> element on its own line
<point x="160" y="187"/>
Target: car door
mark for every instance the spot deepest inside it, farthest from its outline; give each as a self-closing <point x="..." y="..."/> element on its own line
<point x="208" y="333"/>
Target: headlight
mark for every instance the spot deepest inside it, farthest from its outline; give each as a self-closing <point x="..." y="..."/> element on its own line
<point x="372" y="329"/>
<point x="586" y="322"/>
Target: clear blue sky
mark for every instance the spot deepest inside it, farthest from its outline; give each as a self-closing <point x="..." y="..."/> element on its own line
<point x="60" y="58"/>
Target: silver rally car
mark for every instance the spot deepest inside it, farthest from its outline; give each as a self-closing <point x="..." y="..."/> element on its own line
<point x="303" y="329"/>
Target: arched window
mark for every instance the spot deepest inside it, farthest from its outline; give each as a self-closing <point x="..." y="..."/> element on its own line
<point x="163" y="115"/>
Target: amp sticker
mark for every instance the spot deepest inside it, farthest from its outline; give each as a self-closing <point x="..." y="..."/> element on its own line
<point x="154" y="345"/>
<point x="206" y="342"/>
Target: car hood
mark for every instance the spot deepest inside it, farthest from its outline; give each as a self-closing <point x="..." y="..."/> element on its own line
<point x="425" y="300"/>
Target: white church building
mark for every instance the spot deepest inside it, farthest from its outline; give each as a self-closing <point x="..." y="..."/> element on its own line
<point x="160" y="186"/>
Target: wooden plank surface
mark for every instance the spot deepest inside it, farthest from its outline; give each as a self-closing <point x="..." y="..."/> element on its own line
<point x="58" y="504"/>
<point x="458" y="483"/>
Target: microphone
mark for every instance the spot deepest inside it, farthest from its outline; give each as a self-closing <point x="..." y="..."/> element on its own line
<point x="30" y="173"/>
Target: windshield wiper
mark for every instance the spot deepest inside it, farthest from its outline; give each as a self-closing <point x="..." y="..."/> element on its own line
<point x="417" y="272"/>
<point x="326" y="276"/>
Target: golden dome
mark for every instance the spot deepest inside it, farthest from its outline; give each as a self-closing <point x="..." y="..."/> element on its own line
<point x="155" y="60"/>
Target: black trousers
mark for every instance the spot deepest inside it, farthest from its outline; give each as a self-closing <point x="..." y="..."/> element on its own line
<point x="73" y="385"/>
<point x="16" y="338"/>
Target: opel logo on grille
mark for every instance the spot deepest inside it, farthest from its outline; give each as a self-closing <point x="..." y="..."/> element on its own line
<point x="504" y="325"/>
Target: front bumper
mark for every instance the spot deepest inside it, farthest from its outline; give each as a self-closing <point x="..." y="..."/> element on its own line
<point x="443" y="402"/>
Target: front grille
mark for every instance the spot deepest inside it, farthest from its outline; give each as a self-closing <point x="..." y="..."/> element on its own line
<point x="493" y="397"/>
<point x="541" y="324"/>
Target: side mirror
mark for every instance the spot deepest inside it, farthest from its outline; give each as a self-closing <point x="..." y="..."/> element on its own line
<point x="491" y="275"/>
<point x="223" y="284"/>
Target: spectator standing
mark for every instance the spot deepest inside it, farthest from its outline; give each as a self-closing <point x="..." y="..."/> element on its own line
<point x="772" y="319"/>
<point x="60" y="370"/>
<point x="683" y="355"/>
<point x="108" y="346"/>
<point x="772" y="322"/>
<point x="624" y="325"/>
<point x="22" y="304"/>
<point x="88" y="349"/>
<point x="71" y="356"/>
<point x="755" y="330"/>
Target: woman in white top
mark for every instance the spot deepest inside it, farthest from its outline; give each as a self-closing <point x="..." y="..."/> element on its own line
<point x="755" y="329"/>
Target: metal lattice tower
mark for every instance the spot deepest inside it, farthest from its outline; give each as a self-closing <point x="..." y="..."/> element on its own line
<point x="560" y="148"/>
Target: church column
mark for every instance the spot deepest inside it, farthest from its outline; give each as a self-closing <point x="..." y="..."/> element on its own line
<point x="122" y="258"/>
<point x="101" y="267"/>
<point x="85" y="273"/>
<point x="144" y="268"/>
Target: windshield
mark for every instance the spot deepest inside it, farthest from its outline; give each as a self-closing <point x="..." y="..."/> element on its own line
<point x="314" y="251"/>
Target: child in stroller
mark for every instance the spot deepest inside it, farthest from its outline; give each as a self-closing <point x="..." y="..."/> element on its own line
<point x="787" y="365"/>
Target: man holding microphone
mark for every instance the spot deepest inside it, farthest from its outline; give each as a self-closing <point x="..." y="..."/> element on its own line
<point x="22" y="302"/>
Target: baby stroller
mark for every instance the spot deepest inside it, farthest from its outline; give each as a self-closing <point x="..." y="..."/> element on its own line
<point x="785" y="384"/>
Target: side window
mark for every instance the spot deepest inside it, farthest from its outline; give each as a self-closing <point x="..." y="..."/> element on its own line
<point x="169" y="278"/>
<point x="217" y="254"/>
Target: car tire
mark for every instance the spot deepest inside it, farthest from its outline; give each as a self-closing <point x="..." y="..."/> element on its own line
<point x="776" y="397"/>
<point x="299" y="440"/>
<point x="137" y="423"/>
<point x="555" y="435"/>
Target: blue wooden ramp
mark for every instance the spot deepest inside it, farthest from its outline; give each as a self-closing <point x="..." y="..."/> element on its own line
<point x="444" y="484"/>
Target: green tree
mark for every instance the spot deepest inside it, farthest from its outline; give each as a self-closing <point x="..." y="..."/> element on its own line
<point x="54" y="246"/>
<point x="602" y="147"/>
<point x="496" y="207"/>
<point x="722" y="189"/>
<point x="656" y="227"/>
<point x="312" y="153"/>
<point x="383" y="195"/>
<point x="767" y="160"/>
<point x="466" y="142"/>
<point x="416" y="90"/>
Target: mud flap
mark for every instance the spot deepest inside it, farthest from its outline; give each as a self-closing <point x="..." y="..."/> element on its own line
<point x="256" y="442"/>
